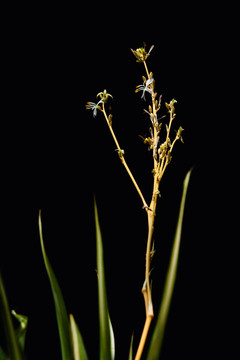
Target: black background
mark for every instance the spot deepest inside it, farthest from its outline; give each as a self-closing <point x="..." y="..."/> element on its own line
<point x="55" y="156"/>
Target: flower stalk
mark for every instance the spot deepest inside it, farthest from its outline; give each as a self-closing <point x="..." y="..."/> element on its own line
<point x="161" y="159"/>
<point x="162" y="155"/>
<point x="122" y="158"/>
<point x="92" y="106"/>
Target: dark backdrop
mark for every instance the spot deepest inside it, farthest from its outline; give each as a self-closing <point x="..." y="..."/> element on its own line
<point x="55" y="156"/>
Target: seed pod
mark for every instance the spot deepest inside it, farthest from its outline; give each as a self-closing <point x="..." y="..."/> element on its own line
<point x="110" y="119"/>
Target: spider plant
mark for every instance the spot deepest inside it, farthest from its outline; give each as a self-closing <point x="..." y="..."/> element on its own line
<point x="161" y="143"/>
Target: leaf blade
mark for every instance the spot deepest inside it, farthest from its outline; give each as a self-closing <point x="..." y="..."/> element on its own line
<point x="130" y="356"/>
<point x="60" y="308"/>
<point x="79" y="351"/>
<point x="107" y="351"/>
<point x="158" y="334"/>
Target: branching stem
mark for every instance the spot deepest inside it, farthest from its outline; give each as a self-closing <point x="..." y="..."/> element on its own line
<point x="161" y="159"/>
<point x="151" y="218"/>
<point x="160" y="164"/>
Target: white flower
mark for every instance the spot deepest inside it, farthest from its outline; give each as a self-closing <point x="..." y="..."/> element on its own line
<point x="145" y="87"/>
<point x="94" y="107"/>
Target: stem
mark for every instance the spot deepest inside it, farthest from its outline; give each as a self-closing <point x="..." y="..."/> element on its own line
<point x="121" y="156"/>
<point x="145" y="65"/>
<point x="151" y="218"/>
<point x="145" y="206"/>
<point x="143" y="337"/>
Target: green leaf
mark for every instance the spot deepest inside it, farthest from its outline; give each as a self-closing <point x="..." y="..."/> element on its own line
<point x="61" y="313"/>
<point x="22" y="330"/>
<point x="112" y="339"/>
<point x="14" y="350"/>
<point x="79" y="351"/>
<point x="158" y="334"/>
<point x="130" y="356"/>
<point x="107" y="346"/>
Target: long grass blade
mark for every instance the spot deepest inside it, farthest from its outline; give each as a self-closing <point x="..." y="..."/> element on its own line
<point x="11" y="338"/>
<point x="61" y="313"/>
<point x="79" y="351"/>
<point x="158" y="334"/>
<point x="130" y="356"/>
<point x="107" y="347"/>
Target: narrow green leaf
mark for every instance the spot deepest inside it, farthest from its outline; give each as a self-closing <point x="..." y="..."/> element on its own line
<point x="107" y="350"/>
<point x="130" y="357"/>
<point x="22" y="330"/>
<point x="12" y="343"/>
<point x="79" y="350"/>
<point x="157" y="338"/>
<point x="112" y="339"/>
<point x="61" y="313"/>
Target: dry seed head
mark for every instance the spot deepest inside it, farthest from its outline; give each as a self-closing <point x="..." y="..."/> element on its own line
<point x="104" y="95"/>
<point x="141" y="54"/>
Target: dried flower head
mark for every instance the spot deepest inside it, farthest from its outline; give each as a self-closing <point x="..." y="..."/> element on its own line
<point x="104" y="95"/>
<point x="141" y="54"/>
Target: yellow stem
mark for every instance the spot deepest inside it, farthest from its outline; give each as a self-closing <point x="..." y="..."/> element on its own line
<point x="145" y="206"/>
<point x="143" y="337"/>
<point x="145" y="65"/>
<point x="151" y="218"/>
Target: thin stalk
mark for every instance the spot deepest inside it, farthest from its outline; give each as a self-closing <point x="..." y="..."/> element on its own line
<point x="121" y="156"/>
<point x="151" y="218"/>
<point x="145" y="65"/>
<point x="151" y="215"/>
<point x="143" y="337"/>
